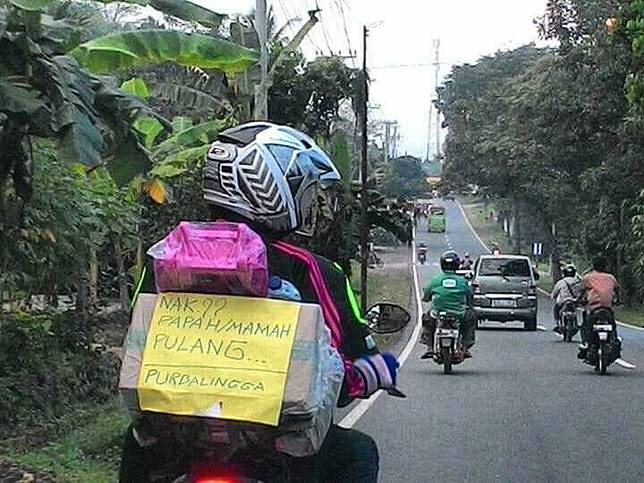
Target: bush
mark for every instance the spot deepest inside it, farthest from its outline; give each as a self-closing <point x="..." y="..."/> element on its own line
<point x="47" y="364"/>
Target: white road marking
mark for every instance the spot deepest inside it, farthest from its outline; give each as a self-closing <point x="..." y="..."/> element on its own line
<point x="542" y="291"/>
<point x="476" y="235"/>
<point x="363" y="406"/>
<point x="630" y="326"/>
<point x="625" y="364"/>
<point x="542" y="328"/>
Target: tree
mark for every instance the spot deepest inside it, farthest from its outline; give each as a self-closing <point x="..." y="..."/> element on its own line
<point x="550" y="133"/>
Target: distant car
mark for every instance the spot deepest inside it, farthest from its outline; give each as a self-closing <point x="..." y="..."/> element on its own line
<point x="450" y="196"/>
<point x="505" y="289"/>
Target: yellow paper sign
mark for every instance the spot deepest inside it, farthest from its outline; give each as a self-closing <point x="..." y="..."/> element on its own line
<point x="218" y="356"/>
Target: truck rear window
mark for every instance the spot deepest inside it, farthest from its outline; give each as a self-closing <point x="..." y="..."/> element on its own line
<point x="504" y="267"/>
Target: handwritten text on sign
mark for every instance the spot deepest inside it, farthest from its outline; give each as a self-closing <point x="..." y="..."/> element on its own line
<point x="219" y="356"/>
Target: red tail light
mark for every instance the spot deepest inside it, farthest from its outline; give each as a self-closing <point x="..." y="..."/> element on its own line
<point x="532" y="290"/>
<point x="213" y="474"/>
<point x="477" y="287"/>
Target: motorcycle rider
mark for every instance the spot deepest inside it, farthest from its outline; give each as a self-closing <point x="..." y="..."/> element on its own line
<point x="566" y="289"/>
<point x="495" y="249"/>
<point x="422" y="250"/>
<point x="466" y="263"/>
<point x="451" y="293"/>
<point x="267" y="176"/>
<point x="599" y="289"/>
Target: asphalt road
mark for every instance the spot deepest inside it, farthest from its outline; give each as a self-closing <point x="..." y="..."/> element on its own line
<point x="524" y="409"/>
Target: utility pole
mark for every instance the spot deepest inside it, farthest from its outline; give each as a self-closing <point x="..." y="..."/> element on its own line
<point x="396" y="138"/>
<point x="261" y="89"/>
<point x="260" y="112"/>
<point x="387" y="139"/>
<point x="429" y="132"/>
<point x="437" y="67"/>
<point x="364" y="192"/>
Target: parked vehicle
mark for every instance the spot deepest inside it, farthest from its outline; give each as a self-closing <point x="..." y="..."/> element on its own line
<point x="436" y="221"/>
<point x="505" y="289"/>
<point x="448" y="343"/>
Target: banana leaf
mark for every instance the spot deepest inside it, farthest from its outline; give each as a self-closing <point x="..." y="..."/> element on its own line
<point x="130" y="49"/>
<point x="182" y="9"/>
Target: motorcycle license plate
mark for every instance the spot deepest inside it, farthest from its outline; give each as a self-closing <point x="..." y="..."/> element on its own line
<point x="446" y="342"/>
<point x="447" y="333"/>
<point x="503" y="303"/>
<point x="603" y="336"/>
<point x="603" y="328"/>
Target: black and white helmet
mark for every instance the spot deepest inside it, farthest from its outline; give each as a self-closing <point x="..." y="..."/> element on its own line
<point x="269" y="174"/>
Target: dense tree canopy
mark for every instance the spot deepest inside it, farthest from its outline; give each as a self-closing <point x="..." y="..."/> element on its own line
<point x="550" y="132"/>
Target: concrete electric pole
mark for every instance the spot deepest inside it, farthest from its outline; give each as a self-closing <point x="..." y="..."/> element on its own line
<point x="364" y="192"/>
<point x="437" y="67"/>
<point x="261" y="89"/>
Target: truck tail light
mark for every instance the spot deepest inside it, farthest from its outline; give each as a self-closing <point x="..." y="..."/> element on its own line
<point x="476" y="287"/>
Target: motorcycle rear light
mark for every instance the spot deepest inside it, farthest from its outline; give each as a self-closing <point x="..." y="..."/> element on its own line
<point x="212" y="474"/>
<point x="214" y="479"/>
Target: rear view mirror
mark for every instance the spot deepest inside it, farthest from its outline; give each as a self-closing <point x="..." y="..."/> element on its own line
<point x="387" y="318"/>
<point x="469" y="276"/>
<point x="536" y="273"/>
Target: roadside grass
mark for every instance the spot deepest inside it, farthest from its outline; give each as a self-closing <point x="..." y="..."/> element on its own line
<point x="392" y="283"/>
<point x="630" y="314"/>
<point x="545" y="281"/>
<point x="489" y="230"/>
<point x="85" y="446"/>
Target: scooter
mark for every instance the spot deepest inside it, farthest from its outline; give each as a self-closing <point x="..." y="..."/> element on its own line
<point x="604" y="346"/>
<point x="567" y="320"/>
<point x="422" y="257"/>
<point x="448" y="343"/>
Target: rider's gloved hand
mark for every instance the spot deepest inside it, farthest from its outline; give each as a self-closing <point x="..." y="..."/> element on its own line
<point x="378" y="371"/>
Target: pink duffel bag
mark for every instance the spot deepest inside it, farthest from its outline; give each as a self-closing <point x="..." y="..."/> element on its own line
<point x="214" y="257"/>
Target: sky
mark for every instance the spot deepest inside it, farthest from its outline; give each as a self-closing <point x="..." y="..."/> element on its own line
<point x="400" y="45"/>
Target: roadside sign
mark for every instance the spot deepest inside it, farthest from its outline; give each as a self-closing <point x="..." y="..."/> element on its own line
<point x="537" y="249"/>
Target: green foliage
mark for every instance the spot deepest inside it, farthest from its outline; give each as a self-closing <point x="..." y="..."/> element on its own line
<point x="635" y="82"/>
<point x="182" y="9"/>
<point x="130" y="49"/>
<point x="551" y="135"/>
<point x="308" y="95"/>
<point x="136" y="87"/>
<point x="47" y="366"/>
<point x="405" y="178"/>
<point x="68" y="216"/>
<point x="84" y="446"/>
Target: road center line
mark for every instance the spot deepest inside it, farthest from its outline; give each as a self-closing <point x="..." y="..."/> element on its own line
<point x="363" y="406"/>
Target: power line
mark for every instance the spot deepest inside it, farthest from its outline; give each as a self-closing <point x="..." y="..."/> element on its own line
<point x="326" y="37"/>
<point x="410" y="66"/>
<point x="340" y="8"/>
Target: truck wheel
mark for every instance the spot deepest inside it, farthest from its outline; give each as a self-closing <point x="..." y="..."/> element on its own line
<point x="531" y="324"/>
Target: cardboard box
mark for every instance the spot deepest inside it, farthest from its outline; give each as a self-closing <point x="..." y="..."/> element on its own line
<point x="313" y="381"/>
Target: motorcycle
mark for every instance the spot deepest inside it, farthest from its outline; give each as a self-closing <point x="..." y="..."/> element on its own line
<point x="422" y="257"/>
<point x="603" y="345"/>
<point x="194" y="451"/>
<point x="567" y="320"/>
<point x="448" y="343"/>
